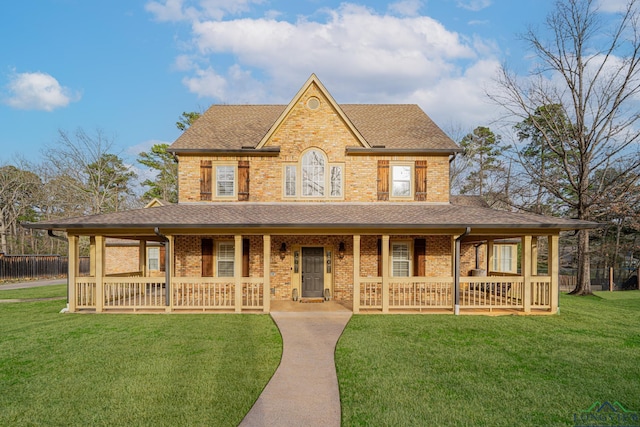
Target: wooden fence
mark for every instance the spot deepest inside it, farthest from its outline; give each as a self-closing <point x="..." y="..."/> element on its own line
<point x="37" y="266"/>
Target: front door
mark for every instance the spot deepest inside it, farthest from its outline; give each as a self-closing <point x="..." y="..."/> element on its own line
<point x="312" y="272"/>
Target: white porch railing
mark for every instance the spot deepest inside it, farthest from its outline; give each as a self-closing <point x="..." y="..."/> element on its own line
<point x="371" y="292"/>
<point x="420" y="292"/>
<point x="208" y="293"/>
<point x="541" y="292"/>
<point x="493" y="292"/>
<point x="134" y="292"/>
<point x="203" y="292"/>
<point x="200" y="293"/>
<point x="85" y="292"/>
<point x="252" y="293"/>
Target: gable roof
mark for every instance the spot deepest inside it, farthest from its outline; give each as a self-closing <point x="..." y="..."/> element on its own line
<point x="313" y="81"/>
<point x="246" y="127"/>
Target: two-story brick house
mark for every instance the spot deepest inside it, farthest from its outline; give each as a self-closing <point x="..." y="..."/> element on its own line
<point x="317" y="199"/>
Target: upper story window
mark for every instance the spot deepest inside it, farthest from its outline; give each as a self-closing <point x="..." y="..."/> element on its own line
<point x="313" y="177"/>
<point x="400" y="181"/>
<point x="313" y="171"/>
<point x="224" y="180"/>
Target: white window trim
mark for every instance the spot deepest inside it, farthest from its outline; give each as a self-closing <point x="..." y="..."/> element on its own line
<point x="411" y="166"/>
<point x="327" y="179"/>
<point x="218" y="258"/>
<point x="409" y="245"/>
<point x="499" y="259"/>
<point x="214" y="180"/>
<point x="149" y="258"/>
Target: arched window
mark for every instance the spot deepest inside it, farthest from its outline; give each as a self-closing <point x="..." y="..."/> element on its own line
<point x="313" y="174"/>
<point x="313" y="177"/>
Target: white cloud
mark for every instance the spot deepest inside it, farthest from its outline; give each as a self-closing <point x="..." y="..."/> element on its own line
<point x="38" y="91"/>
<point x="206" y="83"/>
<point x="360" y="55"/>
<point x="363" y="50"/>
<point x="462" y="99"/>
<point x="474" y="5"/>
<point x="406" y="7"/>
<point x="176" y="10"/>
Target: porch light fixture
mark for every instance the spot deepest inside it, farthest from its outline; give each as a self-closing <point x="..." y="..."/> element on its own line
<point x="283" y="250"/>
<point x="341" y="250"/>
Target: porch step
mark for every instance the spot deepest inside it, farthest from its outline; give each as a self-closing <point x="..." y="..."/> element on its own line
<point x="311" y="300"/>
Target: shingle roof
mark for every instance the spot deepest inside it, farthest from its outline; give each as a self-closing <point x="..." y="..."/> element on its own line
<point x="232" y="127"/>
<point x="464" y="200"/>
<point x="288" y="216"/>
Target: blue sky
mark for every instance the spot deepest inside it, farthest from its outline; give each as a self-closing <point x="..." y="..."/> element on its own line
<point x="130" y="68"/>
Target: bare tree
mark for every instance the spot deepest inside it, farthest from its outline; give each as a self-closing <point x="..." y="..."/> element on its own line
<point x="588" y="68"/>
<point x="92" y="176"/>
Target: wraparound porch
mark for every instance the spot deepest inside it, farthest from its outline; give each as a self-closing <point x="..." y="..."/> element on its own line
<point x="133" y="292"/>
<point x="414" y="294"/>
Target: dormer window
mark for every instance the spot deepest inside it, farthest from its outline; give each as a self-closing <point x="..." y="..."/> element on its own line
<point x="313" y="177"/>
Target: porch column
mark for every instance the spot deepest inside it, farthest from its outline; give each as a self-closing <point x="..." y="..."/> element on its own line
<point x="142" y="258"/>
<point x="526" y="273"/>
<point x="99" y="264"/>
<point x="356" y="273"/>
<point x="266" y="273"/>
<point x="534" y="256"/>
<point x="554" y="271"/>
<point x="237" y="271"/>
<point x="169" y="268"/>
<point x="74" y="272"/>
<point x="489" y="256"/>
<point x="385" y="273"/>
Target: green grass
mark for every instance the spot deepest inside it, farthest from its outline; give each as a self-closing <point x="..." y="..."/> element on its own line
<point x="38" y="292"/>
<point x="491" y="371"/>
<point x="160" y="370"/>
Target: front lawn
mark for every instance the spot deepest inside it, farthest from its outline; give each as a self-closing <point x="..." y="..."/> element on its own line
<point x="160" y="370"/>
<point x="51" y="291"/>
<point x="493" y="371"/>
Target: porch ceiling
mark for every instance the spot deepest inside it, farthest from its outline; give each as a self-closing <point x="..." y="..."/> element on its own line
<point x="319" y="216"/>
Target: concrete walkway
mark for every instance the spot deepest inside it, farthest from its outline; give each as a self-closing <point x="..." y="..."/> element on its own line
<point x="304" y="389"/>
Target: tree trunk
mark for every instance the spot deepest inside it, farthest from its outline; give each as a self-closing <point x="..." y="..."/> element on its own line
<point x="3" y="236"/>
<point x="583" y="285"/>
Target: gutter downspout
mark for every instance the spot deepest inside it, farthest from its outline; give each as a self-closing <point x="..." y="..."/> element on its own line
<point x="456" y="277"/>
<point x="64" y="239"/>
<point x="167" y="266"/>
